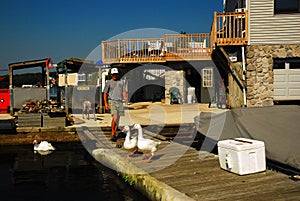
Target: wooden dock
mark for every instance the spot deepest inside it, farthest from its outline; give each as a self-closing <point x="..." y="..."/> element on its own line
<point x="180" y="172"/>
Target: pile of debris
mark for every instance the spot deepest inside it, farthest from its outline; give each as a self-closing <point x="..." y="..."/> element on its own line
<point x="40" y="106"/>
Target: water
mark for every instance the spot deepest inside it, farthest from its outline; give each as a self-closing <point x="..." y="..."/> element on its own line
<point x="68" y="173"/>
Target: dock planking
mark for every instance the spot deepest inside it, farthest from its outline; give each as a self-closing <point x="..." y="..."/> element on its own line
<point x="198" y="174"/>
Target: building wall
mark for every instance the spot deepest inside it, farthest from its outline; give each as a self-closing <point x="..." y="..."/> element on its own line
<point x="259" y="71"/>
<point x="267" y="28"/>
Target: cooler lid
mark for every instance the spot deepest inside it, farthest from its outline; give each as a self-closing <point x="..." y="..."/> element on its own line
<point x="240" y="144"/>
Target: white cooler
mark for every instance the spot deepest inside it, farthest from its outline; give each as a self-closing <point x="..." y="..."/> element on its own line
<point x="242" y="155"/>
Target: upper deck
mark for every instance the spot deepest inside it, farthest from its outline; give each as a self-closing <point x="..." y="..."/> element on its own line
<point x="226" y="29"/>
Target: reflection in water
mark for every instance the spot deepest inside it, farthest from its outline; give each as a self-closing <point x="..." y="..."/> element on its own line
<point x="68" y="173"/>
<point x="44" y="152"/>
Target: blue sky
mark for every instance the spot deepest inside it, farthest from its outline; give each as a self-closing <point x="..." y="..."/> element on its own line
<point x="61" y="29"/>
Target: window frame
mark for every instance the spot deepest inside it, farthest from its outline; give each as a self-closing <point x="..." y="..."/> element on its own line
<point x="207" y="77"/>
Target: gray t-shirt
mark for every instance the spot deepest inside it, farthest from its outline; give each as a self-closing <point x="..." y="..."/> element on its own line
<point x="114" y="89"/>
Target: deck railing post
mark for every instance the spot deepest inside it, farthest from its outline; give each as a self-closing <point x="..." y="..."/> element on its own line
<point x="246" y="27"/>
<point x="103" y="49"/>
<point x="119" y="49"/>
<point x="214" y="31"/>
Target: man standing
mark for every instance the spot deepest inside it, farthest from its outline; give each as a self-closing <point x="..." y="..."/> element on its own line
<point x="114" y="94"/>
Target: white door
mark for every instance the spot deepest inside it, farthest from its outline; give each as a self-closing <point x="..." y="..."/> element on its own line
<point x="287" y="82"/>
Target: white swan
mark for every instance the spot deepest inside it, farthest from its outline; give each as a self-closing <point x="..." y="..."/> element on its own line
<point x="130" y="142"/>
<point x="145" y="145"/>
<point x="43" y="146"/>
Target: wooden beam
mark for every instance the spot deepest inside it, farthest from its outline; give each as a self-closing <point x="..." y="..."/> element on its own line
<point x="234" y="74"/>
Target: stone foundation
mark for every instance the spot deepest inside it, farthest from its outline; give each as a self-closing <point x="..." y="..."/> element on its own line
<point x="259" y="71"/>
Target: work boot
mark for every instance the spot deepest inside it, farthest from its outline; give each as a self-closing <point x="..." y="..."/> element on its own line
<point x="114" y="138"/>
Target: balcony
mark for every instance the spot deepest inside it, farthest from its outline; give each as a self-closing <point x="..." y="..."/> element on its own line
<point x="172" y="47"/>
<point x="230" y="28"/>
<point x="227" y="29"/>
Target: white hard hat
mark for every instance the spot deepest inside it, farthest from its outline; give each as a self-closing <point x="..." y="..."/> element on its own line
<point x="114" y="71"/>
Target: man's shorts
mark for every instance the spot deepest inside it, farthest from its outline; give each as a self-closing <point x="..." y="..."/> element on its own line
<point x="116" y="107"/>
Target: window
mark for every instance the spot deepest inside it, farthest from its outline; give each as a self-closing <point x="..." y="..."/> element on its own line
<point x="81" y="77"/>
<point x="279" y="63"/>
<point x="154" y="74"/>
<point x="207" y="75"/>
<point x="286" y="63"/>
<point x="286" y="6"/>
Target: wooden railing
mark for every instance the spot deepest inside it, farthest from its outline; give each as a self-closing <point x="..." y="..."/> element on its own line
<point x="171" y="47"/>
<point x="187" y="46"/>
<point x="229" y="29"/>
